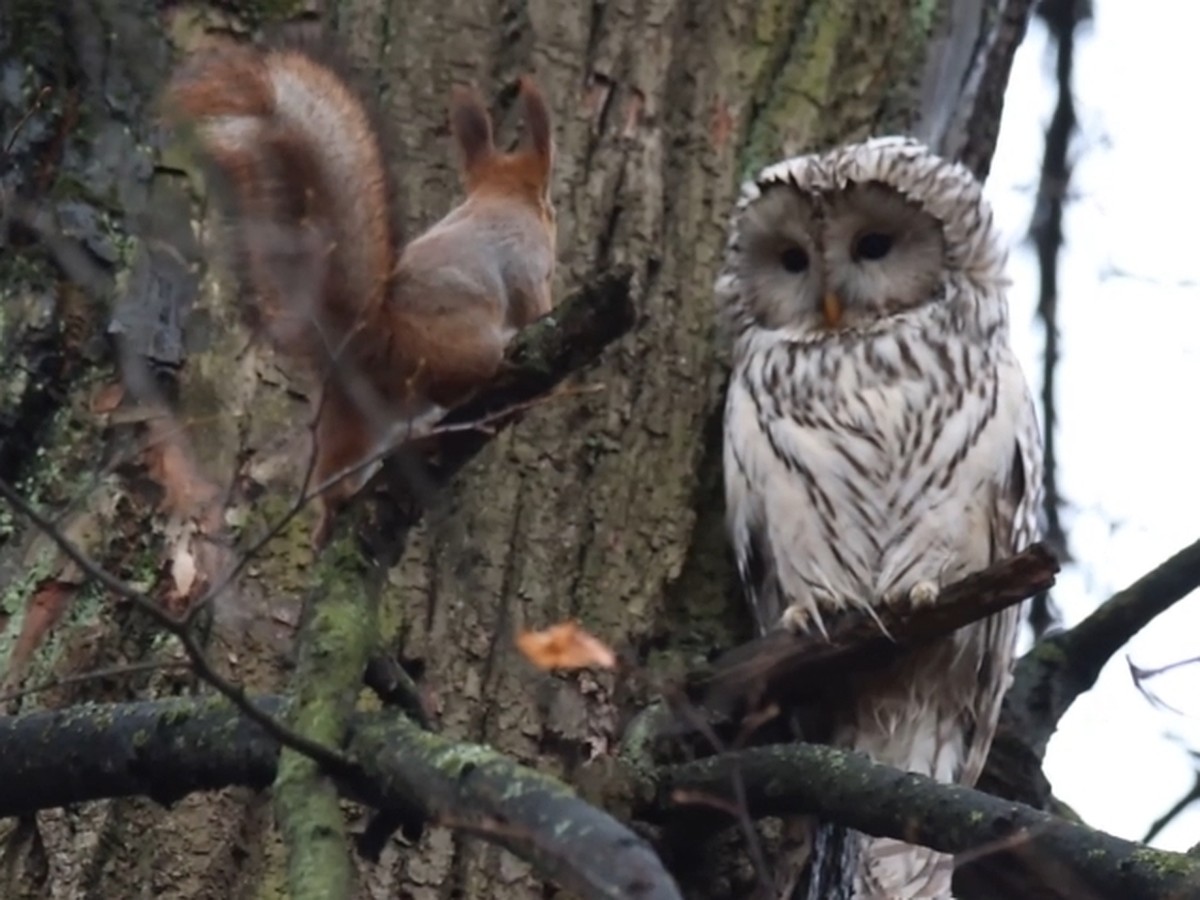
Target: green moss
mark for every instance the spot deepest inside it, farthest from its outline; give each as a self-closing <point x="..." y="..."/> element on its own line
<point x="1174" y="865"/>
<point x="1049" y="652"/>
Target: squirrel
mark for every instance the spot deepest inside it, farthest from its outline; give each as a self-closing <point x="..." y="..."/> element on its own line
<point x="397" y="336"/>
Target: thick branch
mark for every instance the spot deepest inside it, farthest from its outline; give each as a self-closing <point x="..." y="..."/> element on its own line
<point x="1060" y="668"/>
<point x="535" y="816"/>
<point x="337" y="634"/>
<point x="851" y="790"/>
<point x="166" y="749"/>
<point x="786" y="665"/>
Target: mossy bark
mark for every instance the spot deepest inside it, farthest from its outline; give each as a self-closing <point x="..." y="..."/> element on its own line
<point x="603" y="507"/>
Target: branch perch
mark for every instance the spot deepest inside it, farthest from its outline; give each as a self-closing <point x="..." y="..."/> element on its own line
<point x="788" y="666"/>
<point x="570" y="337"/>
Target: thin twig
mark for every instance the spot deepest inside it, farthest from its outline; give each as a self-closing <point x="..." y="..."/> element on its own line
<point x="1192" y="796"/>
<point x="1057" y="670"/>
<point x="1062" y="17"/>
<point x="34" y="107"/>
<point x="95" y="674"/>
<point x="684" y="708"/>
<point x="305" y="497"/>
<point x="179" y="628"/>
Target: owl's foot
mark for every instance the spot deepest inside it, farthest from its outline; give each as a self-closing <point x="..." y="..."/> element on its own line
<point x="923" y="593"/>
<point x="801" y="618"/>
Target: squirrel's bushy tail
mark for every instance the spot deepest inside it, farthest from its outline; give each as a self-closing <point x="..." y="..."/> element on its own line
<point x="310" y="222"/>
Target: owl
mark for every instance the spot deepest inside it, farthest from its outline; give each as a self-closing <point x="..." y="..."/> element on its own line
<point x="880" y="442"/>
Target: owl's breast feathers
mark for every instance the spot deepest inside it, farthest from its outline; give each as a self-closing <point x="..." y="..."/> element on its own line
<point x="860" y="465"/>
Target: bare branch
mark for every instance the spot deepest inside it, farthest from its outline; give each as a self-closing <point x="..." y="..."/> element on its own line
<point x="38" y="100"/>
<point x="154" y="665"/>
<point x="785" y="666"/>
<point x="1057" y="670"/>
<point x="968" y="60"/>
<point x="474" y="787"/>
<point x="1192" y="796"/>
<point x="537" y="361"/>
<point x="1063" y="18"/>
<point x="850" y="790"/>
<point x="169" y="748"/>
<point x="562" y="343"/>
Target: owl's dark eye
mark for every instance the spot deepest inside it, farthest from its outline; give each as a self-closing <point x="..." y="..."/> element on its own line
<point x="872" y="245"/>
<point x="794" y="260"/>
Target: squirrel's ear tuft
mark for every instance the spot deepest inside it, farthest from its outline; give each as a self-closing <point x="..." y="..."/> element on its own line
<point x="537" y="124"/>
<point x="472" y="126"/>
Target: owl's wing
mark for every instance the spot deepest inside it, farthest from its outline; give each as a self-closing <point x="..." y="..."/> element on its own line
<point x="1017" y="513"/>
<point x="749" y="464"/>
<point x="1015" y="523"/>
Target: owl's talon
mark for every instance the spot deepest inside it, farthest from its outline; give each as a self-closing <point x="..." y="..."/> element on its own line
<point x="922" y="593"/>
<point x="801" y="618"/>
<point x="795" y="618"/>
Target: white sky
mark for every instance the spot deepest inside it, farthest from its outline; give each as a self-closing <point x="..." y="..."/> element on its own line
<point x="1129" y="320"/>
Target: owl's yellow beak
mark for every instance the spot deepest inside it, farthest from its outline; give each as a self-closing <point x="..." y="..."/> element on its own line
<point x="832" y="307"/>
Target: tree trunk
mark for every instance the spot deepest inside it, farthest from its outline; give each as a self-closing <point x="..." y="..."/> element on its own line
<point x="603" y="507"/>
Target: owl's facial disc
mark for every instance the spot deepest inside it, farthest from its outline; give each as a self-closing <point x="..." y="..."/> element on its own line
<point x="780" y="259"/>
<point x="883" y="254"/>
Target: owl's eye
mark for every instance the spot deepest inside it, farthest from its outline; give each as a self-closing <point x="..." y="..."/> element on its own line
<point x="872" y="245"/>
<point x="794" y="260"/>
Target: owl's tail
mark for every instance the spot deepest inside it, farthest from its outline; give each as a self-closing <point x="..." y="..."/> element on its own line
<point x="935" y="713"/>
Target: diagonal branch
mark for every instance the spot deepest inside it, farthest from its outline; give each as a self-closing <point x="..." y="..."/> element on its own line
<point x="1192" y="796"/>
<point x="1060" y="668"/>
<point x="783" y="665"/>
<point x="570" y="338"/>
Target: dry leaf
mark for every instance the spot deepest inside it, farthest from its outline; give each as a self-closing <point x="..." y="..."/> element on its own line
<point x="108" y="398"/>
<point x="565" y="646"/>
<point x="44" y="609"/>
<point x="183" y="569"/>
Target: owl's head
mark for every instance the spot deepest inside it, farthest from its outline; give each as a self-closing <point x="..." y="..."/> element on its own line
<point x="825" y="243"/>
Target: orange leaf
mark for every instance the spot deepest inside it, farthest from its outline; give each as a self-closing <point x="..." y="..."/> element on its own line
<point x="108" y="398"/>
<point x="565" y="646"/>
<point x="45" y="608"/>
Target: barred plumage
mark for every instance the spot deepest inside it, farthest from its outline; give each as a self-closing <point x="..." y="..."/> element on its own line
<point x="880" y="441"/>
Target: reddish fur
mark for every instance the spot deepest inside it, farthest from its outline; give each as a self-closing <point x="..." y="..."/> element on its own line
<point x="231" y="80"/>
<point x="404" y="342"/>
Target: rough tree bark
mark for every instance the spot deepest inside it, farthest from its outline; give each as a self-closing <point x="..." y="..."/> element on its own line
<point x="602" y="506"/>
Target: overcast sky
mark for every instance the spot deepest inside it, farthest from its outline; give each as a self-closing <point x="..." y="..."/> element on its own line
<point x="1129" y="319"/>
